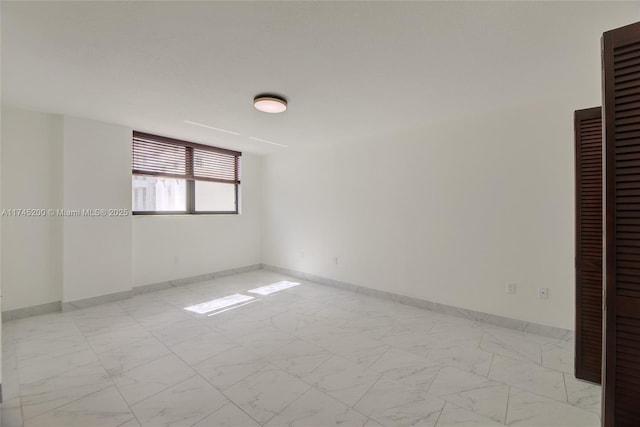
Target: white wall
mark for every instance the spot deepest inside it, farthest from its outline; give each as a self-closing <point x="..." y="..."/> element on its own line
<point x="174" y="247"/>
<point x="84" y="164"/>
<point x="97" y="175"/>
<point x="31" y="178"/>
<point x="51" y="258"/>
<point x="448" y="214"/>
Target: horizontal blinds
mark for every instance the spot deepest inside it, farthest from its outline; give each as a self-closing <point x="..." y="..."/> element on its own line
<point x="158" y="158"/>
<point x="216" y="166"/>
<point x="167" y="157"/>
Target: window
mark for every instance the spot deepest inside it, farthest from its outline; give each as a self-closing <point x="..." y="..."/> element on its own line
<point x="179" y="177"/>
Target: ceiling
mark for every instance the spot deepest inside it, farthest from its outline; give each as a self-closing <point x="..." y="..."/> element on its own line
<point x="350" y="70"/>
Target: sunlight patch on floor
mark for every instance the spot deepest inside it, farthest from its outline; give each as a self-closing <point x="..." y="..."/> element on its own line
<point x="218" y="304"/>
<point x="273" y="288"/>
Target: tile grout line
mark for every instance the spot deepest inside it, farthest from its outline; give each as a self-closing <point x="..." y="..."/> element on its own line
<point x="368" y="390"/>
<point x="229" y="399"/>
<point x="565" y="402"/>
<point x="291" y="403"/>
<point x="363" y="315"/>
<point x="163" y="390"/>
<point x="84" y="338"/>
<point x="261" y="359"/>
<point x="208" y="415"/>
<point x="523" y="357"/>
<point x="69" y="403"/>
<point x="135" y="417"/>
<point x="506" y="409"/>
<point x="120" y="372"/>
<point x="440" y="413"/>
<point x="152" y="335"/>
<point x="493" y="356"/>
<point x="239" y="408"/>
<point x="20" y="383"/>
<point x="529" y="361"/>
<point x="130" y="406"/>
<point x="561" y="402"/>
<point x="427" y="390"/>
<point x="129" y="420"/>
<point x="379" y="357"/>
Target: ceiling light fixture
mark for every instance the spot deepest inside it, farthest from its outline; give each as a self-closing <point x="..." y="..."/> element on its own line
<point x="269" y="103"/>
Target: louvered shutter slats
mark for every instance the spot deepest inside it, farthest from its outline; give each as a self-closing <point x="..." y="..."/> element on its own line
<point x="621" y="82"/>
<point x="588" y="150"/>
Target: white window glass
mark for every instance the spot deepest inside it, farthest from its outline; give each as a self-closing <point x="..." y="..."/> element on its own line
<point x="215" y="197"/>
<point x="159" y="194"/>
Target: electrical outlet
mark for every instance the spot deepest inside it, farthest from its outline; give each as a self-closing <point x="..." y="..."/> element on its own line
<point x="543" y="293"/>
<point x="510" y="289"/>
<point x="335" y="259"/>
<point x="301" y="254"/>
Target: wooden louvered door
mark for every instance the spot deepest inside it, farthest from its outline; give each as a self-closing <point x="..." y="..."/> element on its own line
<point x="621" y="84"/>
<point x="588" y="150"/>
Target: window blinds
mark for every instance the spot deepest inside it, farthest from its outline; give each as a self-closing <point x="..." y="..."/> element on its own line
<point x="167" y="157"/>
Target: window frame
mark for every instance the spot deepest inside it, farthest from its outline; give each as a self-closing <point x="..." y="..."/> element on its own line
<point x="188" y="177"/>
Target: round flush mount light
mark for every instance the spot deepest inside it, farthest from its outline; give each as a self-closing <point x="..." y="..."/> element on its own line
<point x="269" y="103"/>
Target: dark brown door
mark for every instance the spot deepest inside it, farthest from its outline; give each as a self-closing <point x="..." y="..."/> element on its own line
<point x="621" y="369"/>
<point x="588" y="140"/>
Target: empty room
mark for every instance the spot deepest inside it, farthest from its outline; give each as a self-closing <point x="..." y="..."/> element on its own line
<point x="314" y="214"/>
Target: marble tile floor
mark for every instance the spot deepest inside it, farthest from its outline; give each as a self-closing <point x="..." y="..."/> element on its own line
<point x="308" y="356"/>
